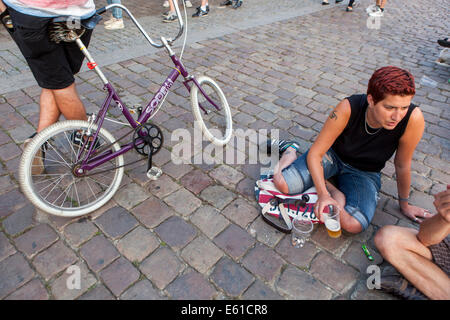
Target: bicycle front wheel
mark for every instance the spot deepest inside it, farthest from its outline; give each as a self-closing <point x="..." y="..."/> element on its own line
<point x="211" y="110"/>
<point x="48" y="163"/>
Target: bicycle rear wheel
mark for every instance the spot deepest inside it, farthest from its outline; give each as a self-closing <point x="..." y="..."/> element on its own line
<point x="216" y="124"/>
<point x="46" y="170"/>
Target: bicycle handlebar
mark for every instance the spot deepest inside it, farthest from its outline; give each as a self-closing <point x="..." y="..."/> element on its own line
<point x="153" y="43"/>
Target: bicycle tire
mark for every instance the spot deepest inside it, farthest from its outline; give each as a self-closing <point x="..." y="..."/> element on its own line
<point x="219" y="97"/>
<point x="59" y="159"/>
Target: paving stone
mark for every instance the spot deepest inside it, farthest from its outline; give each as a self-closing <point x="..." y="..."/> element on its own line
<point x="299" y="285"/>
<point x="241" y="212"/>
<point x="116" y="222"/>
<point x="152" y="212"/>
<point x="176" y="171"/>
<point x="138" y="244"/>
<point x="234" y="241"/>
<point x="176" y="232"/>
<point x="265" y="233"/>
<point x="334" y="273"/>
<point x="300" y="257"/>
<point x="226" y="175"/>
<point x="9" y="151"/>
<point x="361" y="292"/>
<point x="119" y="275"/>
<point x="143" y="290"/>
<point x="33" y="290"/>
<point x="54" y="260"/>
<point x="382" y="218"/>
<point x="218" y="196"/>
<point x="163" y="186"/>
<point x="320" y="236"/>
<point x="98" y="293"/>
<point x="98" y="253"/>
<point x="209" y="220"/>
<point x="36" y="240"/>
<point x="259" y="291"/>
<point x="20" y="220"/>
<point x="231" y="277"/>
<point x="6" y="248"/>
<point x="191" y="286"/>
<point x="183" y="202"/>
<point x="130" y="196"/>
<point x="263" y="262"/>
<point x="355" y="257"/>
<point x="195" y="181"/>
<point x="201" y="254"/>
<point x="161" y="267"/>
<point x="14" y="272"/>
<point x="79" y="232"/>
<point x="64" y="288"/>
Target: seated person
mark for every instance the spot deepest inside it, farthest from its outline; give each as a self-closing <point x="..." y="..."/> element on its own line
<point x="357" y="139"/>
<point x="422" y="257"/>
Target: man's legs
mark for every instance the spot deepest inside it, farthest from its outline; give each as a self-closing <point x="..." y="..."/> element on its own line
<point x="65" y="101"/>
<point x="401" y="248"/>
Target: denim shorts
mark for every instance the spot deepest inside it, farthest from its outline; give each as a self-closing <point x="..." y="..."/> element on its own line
<point x="359" y="187"/>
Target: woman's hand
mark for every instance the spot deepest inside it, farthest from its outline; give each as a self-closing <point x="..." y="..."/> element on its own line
<point x="322" y="202"/>
<point x="414" y="213"/>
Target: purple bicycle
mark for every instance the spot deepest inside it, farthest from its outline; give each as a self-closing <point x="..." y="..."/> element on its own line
<point x="84" y="163"/>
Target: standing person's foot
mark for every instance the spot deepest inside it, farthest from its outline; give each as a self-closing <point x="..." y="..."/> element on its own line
<point x="349" y="9"/>
<point x="188" y="4"/>
<point x="377" y="13"/>
<point x="200" y="12"/>
<point x="116" y="24"/>
<point x="225" y="3"/>
<point x="444" y="42"/>
<point x="170" y="17"/>
<point x="324" y="3"/>
<point x="166" y="4"/>
<point x="237" y="4"/>
<point x="337" y="1"/>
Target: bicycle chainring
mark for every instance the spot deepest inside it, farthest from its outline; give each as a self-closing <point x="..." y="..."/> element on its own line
<point x="147" y="137"/>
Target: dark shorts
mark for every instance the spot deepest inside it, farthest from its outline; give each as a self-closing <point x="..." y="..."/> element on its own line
<point x="441" y="255"/>
<point x="52" y="64"/>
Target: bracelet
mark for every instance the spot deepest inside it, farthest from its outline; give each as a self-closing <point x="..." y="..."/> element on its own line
<point x="403" y="199"/>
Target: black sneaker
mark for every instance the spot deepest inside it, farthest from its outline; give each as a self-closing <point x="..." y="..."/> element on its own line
<point x="80" y="141"/>
<point x="200" y="12"/>
<point x="170" y="18"/>
<point x="444" y="42"/>
<point x="226" y="3"/>
<point x="337" y="1"/>
<point x="237" y="4"/>
<point x="393" y="282"/>
<point x="282" y="146"/>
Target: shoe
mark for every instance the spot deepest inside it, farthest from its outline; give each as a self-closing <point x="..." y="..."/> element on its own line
<point x="171" y="17"/>
<point x="371" y="8"/>
<point x="111" y="20"/>
<point x="188" y="4"/>
<point x="337" y="1"/>
<point x="324" y="3"/>
<point x="349" y="9"/>
<point x="444" y="42"/>
<point x="166" y="4"/>
<point x="237" y="4"/>
<point x="226" y="3"/>
<point x="200" y="12"/>
<point x="393" y="282"/>
<point x="282" y="146"/>
<point x="37" y="166"/>
<point x="115" y="25"/>
<point x="165" y="14"/>
<point x="378" y="13"/>
<point x="80" y="141"/>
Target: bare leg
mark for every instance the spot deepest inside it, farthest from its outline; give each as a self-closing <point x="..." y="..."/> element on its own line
<point x="62" y="101"/>
<point x="413" y="260"/>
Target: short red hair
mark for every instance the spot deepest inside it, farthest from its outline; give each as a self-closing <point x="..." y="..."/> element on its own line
<point x="390" y="80"/>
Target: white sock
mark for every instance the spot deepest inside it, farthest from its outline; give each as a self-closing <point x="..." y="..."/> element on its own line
<point x="203" y="8"/>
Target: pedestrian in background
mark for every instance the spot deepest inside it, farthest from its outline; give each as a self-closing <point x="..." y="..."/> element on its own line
<point x="203" y="10"/>
<point x="116" y="21"/>
<point x="233" y="3"/>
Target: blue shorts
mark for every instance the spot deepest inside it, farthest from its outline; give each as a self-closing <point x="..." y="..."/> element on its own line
<point x="359" y="187"/>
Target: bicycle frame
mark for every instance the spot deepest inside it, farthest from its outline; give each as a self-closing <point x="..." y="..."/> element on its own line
<point x="90" y="163"/>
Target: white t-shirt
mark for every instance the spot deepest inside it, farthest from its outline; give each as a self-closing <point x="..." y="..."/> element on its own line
<point x="53" y="8"/>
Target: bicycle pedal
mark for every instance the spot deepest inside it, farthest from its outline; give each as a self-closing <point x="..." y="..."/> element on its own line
<point x="154" y="173"/>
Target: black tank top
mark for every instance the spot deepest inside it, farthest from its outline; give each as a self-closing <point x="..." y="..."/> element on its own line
<point x="364" y="151"/>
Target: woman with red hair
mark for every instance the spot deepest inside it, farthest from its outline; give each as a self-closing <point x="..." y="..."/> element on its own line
<point x="360" y="135"/>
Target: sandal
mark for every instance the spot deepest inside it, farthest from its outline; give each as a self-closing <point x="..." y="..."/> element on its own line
<point x="393" y="282"/>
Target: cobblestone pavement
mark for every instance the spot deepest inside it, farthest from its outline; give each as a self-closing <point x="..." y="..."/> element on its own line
<point x="195" y="233"/>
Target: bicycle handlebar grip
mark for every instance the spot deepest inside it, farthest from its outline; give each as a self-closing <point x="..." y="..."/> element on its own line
<point x="101" y="10"/>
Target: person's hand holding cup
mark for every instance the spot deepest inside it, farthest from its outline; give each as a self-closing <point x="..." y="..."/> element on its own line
<point x="332" y="221"/>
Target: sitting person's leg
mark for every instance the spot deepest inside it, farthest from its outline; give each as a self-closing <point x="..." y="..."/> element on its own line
<point x="401" y="248"/>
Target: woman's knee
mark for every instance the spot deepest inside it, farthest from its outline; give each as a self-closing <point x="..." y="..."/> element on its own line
<point x="388" y="240"/>
<point x="280" y="183"/>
